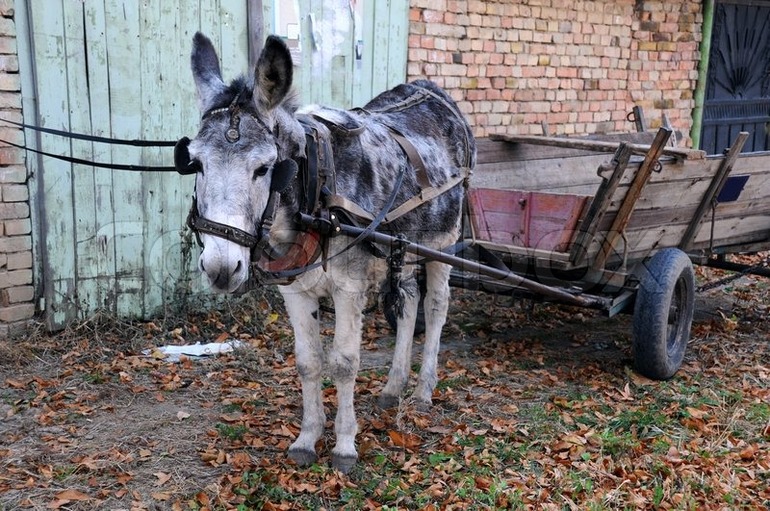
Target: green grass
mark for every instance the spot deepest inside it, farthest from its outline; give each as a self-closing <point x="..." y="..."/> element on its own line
<point x="232" y="432"/>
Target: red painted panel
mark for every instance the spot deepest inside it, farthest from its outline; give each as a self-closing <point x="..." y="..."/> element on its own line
<point x="539" y="220"/>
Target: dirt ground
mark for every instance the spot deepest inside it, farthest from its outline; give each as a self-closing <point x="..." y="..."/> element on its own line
<point x="88" y="422"/>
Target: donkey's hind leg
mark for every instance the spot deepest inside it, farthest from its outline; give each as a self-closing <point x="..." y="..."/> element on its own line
<point x="436" y="305"/>
<point x="402" y="357"/>
<point x="309" y="353"/>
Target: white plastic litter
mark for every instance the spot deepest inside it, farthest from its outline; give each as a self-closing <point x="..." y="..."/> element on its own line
<point x="197" y="350"/>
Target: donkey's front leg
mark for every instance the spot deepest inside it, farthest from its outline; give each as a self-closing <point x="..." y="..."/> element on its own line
<point x="309" y="354"/>
<point x="436" y="305"/>
<point x="344" y="360"/>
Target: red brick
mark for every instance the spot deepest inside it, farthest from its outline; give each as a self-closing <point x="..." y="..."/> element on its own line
<point x="17" y="312"/>
<point x="18" y="260"/>
<point x="17" y="227"/>
<point x="19" y="294"/>
<point x="13" y="174"/>
<point x="9" y="244"/>
<point x="15" y="193"/>
<point x="15" y="278"/>
<point x="7" y="27"/>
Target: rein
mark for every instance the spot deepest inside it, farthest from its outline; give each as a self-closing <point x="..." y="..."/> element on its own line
<point x="92" y="138"/>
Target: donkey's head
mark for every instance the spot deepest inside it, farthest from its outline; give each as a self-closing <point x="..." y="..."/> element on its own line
<point x="242" y="156"/>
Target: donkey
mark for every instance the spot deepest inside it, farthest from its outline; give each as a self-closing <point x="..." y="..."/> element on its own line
<point x="253" y="158"/>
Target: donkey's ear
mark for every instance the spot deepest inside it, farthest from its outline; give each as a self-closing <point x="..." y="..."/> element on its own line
<point x="273" y="74"/>
<point x="205" y="70"/>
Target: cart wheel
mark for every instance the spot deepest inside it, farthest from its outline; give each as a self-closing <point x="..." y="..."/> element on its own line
<point x="663" y="314"/>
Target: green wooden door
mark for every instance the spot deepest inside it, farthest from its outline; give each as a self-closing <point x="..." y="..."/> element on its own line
<point x="114" y="240"/>
<point x="347" y="51"/>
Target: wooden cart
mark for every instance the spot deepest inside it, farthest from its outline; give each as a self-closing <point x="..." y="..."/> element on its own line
<point x="618" y="233"/>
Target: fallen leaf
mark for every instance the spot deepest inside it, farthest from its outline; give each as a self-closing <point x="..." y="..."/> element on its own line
<point x="162" y="478"/>
<point x="72" y="495"/>
<point x="405" y="440"/>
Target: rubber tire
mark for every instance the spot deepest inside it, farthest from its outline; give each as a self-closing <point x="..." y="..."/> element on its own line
<point x="665" y="302"/>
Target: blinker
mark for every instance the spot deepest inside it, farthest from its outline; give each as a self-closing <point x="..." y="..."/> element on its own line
<point x="184" y="165"/>
<point x="283" y="172"/>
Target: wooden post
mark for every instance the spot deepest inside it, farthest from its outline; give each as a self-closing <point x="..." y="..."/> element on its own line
<point x="632" y="195"/>
<point x="713" y="191"/>
<point x="598" y="145"/>
<point x="637" y="117"/>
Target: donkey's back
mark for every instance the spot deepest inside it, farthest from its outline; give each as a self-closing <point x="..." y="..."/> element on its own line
<point x="413" y="136"/>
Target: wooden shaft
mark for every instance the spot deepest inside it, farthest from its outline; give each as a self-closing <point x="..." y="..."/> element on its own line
<point x="507" y="277"/>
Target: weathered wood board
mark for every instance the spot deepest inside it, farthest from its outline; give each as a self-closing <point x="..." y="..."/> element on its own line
<point x="111" y="240"/>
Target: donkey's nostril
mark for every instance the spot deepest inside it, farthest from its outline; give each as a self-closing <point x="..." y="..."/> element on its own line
<point x="237" y="267"/>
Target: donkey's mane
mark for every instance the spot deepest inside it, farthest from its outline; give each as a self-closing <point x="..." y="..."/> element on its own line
<point x="243" y="89"/>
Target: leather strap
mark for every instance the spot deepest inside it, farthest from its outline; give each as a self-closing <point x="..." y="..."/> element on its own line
<point x="93" y="138"/>
<point x="414" y="157"/>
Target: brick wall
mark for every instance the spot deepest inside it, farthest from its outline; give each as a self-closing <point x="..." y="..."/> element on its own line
<point x="16" y="291"/>
<point x="579" y="66"/>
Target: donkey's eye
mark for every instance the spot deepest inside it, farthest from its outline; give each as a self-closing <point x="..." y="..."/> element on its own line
<point x="260" y="171"/>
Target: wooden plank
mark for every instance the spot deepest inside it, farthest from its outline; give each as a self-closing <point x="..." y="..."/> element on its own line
<point x="57" y="207"/>
<point x="598" y="207"/>
<point x="398" y="35"/>
<point x="528" y="219"/>
<point x="640" y="180"/>
<point x="716" y="186"/>
<point x="88" y="257"/>
<point x="125" y="109"/>
<point x="256" y="30"/>
<point x="98" y="113"/>
<point x="363" y="70"/>
<point x="557" y="176"/>
<point x="158" y="194"/>
<point x="491" y="150"/>
<point x="597" y="145"/>
<point x="233" y="38"/>
<point x="381" y="41"/>
<point x="731" y="232"/>
<point x="559" y="258"/>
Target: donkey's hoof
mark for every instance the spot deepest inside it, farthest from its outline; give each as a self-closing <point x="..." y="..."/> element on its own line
<point x="344" y="462"/>
<point x="423" y="406"/>
<point x="387" y="401"/>
<point x="302" y="457"/>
